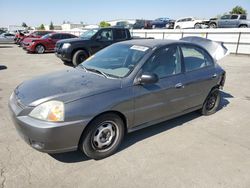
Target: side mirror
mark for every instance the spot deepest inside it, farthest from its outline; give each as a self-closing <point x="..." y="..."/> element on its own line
<point x="148" y="78"/>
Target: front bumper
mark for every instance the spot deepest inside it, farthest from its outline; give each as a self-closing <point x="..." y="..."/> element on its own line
<point x="63" y="54"/>
<point x="45" y="136"/>
<point x="29" y="47"/>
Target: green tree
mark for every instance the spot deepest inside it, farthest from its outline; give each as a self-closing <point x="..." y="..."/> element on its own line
<point x="238" y="10"/>
<point x="24" y="24"/>
<point x="51" y="26"/>
<point x="41" y="27"/>
<point x="104" y="24"/>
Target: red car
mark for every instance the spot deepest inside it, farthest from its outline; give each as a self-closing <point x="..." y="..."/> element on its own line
<point x="46" y="43"/>
<point x="36" y="34"/>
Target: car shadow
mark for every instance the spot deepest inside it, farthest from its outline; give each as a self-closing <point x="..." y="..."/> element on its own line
<point x="68" y="64"/>
<point x="6" y="46"/>
<point x="140" y="135"/>
<point x="3" y="67"/>
<point x="224" y="99"/>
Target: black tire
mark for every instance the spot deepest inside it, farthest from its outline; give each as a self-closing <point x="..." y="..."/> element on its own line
<point x="40" y="49"/>
<point x="197" y="26"/>
<point x="212" y="25"/>
<point x="243" y="26"/>
<point x="95" y="132"/>
<point x="79" y="57"/>
<point x="177" y="27"/>
<point x="212" y="102"/>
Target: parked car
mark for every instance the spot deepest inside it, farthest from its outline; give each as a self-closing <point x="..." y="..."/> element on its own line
<point x="124" y="24"/>
<point x="77" y="50"/>
<point x="230" y="21"/>
<point x="46" y="43"/>
<point x="7" y="38"/>
<point x="2" y="31"/>
<point x="124" y="87"/>
<point x="188" y="23"/>
<point x="142" y="24"/>
<point x="36" y="34"/>
<point x="162" y="23"/>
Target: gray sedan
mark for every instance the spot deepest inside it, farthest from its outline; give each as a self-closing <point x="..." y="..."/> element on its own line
<point x="124" y="87"/>
<point x="7" y="38"/>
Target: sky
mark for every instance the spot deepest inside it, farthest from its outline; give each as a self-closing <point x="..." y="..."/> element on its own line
<point x="34" y="13"/>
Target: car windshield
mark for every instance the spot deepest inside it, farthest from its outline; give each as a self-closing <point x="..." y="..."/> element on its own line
<point x="46" y="36"/>
<point x="88" y="34"/>
<point x="115" y="61"/>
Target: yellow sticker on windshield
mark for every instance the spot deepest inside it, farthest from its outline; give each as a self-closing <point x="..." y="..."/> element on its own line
<point x="139" y="48"/>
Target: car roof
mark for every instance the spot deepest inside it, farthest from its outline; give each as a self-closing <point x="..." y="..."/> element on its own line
<point x="152" y="43"/>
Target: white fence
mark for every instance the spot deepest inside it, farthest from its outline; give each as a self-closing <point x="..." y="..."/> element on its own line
<point x="236" y="40"/>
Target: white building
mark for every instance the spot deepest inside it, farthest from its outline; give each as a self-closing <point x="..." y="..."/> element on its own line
<point x="14" y="28"/>
<point x="56" y="27"/>
<point x="69" y="26"/>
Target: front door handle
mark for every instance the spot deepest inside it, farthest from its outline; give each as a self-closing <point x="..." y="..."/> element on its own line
<point x="214" y="75"/>
<point x="179" y="86"/>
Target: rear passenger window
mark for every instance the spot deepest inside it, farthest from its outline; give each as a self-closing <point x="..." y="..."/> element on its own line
<point x="56" y="36"/>
<point x="120" y="34"/>
<point x="195" y="58"/>
<point x="243" y="17"/>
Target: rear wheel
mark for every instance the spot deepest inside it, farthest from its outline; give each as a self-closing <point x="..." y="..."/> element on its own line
<point x="177" y="27"/>
<point x="40" y="49"/>
<point x="79" y="57"/>
<point x="103" y="136"/>
<point x="212" y="102"/>
<point x="243" y="26"/>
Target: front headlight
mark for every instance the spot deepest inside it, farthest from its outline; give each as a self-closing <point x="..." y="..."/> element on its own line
<point x="49" y="111"/>
<point x="66" y="45"/>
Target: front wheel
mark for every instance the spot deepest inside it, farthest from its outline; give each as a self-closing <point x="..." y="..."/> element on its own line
<point x="40" y="49"/>
<point x="103" y="136"/>
<point x="79" y="57"/>
<point x="212" y="102"/>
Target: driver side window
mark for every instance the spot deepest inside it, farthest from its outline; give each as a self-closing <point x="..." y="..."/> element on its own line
<point x="164" y="63"/>
<point x="106" y="35"/>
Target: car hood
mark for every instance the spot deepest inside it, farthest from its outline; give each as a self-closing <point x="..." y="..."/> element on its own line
<point x="30" y="39"/>
<point x="74" y="40"/>
<point x="66" y="86"/>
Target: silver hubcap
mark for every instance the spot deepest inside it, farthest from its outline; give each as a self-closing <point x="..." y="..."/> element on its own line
<point x="105" y="136"/>
<point x="40" y="49"/>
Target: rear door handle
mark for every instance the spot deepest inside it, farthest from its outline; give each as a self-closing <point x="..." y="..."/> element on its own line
<point x="179" y="86"/>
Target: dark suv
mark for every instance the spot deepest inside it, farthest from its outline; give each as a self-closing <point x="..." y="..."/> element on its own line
<point x="77" y="50"/>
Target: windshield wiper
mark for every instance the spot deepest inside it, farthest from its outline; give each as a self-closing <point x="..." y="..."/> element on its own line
<point x="96" y="71"/>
